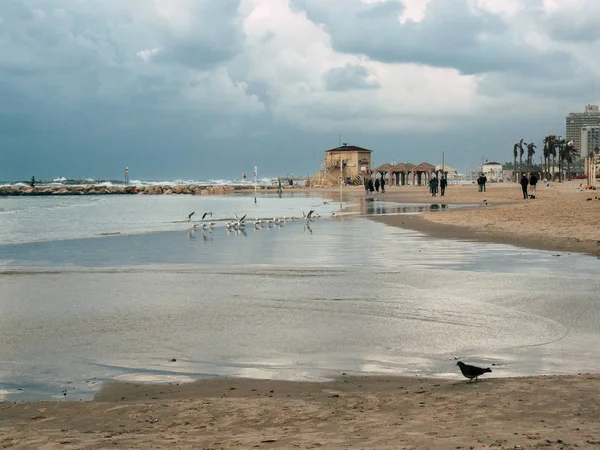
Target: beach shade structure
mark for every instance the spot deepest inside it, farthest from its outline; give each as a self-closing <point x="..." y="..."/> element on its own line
<point x="446" y="171"/>
<point x="399" y="174"/>
<point x="424" y="169"/>
<point x="383" y="170"/>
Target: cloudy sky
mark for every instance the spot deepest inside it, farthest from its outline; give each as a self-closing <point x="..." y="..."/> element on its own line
<point x="210" y="88"/>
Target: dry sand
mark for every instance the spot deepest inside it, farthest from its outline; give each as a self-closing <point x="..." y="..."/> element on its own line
<point x="560" y="218"/>
<point x="364" y="412"/>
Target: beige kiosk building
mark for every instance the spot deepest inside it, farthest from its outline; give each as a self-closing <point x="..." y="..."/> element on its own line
<point x="355" y="163"/>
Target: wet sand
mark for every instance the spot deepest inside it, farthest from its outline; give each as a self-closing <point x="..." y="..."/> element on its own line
<point x="560" y="218"/>
<point x="350" y="412"/>
<point x="357" y="412"/>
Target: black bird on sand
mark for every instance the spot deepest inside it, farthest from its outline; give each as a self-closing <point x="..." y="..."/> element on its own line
<point x="471" y="372"/>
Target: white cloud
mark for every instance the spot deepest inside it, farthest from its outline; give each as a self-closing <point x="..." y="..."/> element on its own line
<point x="506" y="8"/>
<point x="251" y="66"/>
<point x="415" y="10"/>
<point x="147" y="54"/>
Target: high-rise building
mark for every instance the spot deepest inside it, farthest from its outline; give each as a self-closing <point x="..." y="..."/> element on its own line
<point x="576" y="121"/>
<point x="589" y="140"/>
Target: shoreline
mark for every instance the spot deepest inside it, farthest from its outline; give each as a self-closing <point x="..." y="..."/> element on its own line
<point x="562" y="218"/>
<point x="423" y="224"/>
<point x="383" y="412"/>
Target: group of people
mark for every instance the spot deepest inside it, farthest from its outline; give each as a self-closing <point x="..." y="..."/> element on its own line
<point x="532" y="182"/>
<point x="371" y="187"/>
<point x="434" y="183"/>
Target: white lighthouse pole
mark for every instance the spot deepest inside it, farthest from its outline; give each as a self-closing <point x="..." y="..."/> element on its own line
<point x="255" y="180"/>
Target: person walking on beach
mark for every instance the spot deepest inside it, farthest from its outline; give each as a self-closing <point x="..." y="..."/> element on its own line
<point x="532" y="182"/>
<point x="382" y="185"/>
<point x="371" y="186"/>
<point x="480" y="183"/>
<point x="377" y="185"/>
<point x="483" y="181"/>
<point x="524" y="183"/>
<point x="443" y="184"/>
<point x="366" y="186"/>
<point x="433" y="185"/>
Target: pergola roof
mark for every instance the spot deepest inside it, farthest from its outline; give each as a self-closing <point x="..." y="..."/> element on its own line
<point x="402" y="168"/>
<point x="383" y="168"/>
<point x="446" y="168"/>
<point x="425" y="167"/>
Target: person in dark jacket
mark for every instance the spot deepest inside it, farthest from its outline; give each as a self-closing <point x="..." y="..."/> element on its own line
<point x="377" y="185"/>
<point x="371" y="186"/>
<point x="433" y="185"/>
<point x="524" y="183"/>
<point x="443" y="184"/>
<point x="382" y="185"/>
<point x="532" y="182"/>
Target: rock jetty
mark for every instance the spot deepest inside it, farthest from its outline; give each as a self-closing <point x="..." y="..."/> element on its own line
<point x="92" y="189"/>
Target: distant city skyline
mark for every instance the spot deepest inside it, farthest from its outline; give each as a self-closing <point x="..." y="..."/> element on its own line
<point x="197" y="89"/>
<point x="577" y="121"/>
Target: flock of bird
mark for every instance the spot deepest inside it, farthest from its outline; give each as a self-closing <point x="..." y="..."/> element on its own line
<point x="239" y="223"/>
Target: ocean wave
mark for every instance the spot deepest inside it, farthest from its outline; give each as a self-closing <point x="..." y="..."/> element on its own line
<point x="8" y="183"/>
<point x="62" y="181"/>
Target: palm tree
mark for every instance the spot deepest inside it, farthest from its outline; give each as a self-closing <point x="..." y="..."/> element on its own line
<point x="550" y="148"/>
<point x="553" y="154"/>
<point x="546" y="155"/>
<point x="571" y="153"/>
<point x="530" y="152"/>
<point x="521" y="152"/>
<point x="515" y="153"/>
<point x="561" y="157"/>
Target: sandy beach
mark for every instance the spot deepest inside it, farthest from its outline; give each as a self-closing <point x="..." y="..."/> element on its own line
<point x="350" y="412"/>
<point x="561" y="217"/>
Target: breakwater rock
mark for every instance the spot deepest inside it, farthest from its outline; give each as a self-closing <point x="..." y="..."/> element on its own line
<point x="92" y="189"/>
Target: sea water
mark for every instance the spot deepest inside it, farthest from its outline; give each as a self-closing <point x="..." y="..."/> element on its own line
<point x="106" y="288"/>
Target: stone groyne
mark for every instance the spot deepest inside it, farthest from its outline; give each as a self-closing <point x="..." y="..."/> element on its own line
<point x="92" y="189"/>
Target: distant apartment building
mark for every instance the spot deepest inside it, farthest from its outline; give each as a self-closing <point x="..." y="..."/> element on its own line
<point x="589" y="139"/>
<point x="577" y="121"/>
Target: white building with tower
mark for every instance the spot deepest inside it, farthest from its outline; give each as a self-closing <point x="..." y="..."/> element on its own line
<point x="590" y="145"/>
<point x="576" y="121"/>
<point x="589" y="139"/>
<point x="492" y="171"/>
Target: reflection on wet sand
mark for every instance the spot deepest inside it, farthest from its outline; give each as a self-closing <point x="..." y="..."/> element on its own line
<point x="303" y="301"/>
<point x="376" y="207"/>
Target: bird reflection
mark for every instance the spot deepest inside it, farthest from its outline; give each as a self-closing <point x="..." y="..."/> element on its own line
<point x="236" y="232"/>
<point x="307" y="227"/>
